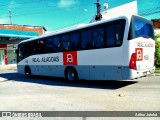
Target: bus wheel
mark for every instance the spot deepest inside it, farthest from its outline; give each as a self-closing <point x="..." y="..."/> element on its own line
<point x="28" y="71"/>
<point x="71" y="74"/>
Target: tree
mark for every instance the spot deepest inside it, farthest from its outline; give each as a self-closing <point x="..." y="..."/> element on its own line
<point x="157" y="49"/>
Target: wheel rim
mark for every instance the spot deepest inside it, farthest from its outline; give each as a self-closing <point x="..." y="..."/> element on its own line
<point x="71" y="75"/>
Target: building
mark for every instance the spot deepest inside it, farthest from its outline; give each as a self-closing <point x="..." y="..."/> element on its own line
<point x="156" y="23"/>
<point x="11" y="35"/>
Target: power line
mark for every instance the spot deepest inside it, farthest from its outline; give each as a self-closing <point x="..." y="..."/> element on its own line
<point x="45" y="9"/>
<point x="21" y="3"/>
<point x="150" y="11"/>
<point x="146" y="14"/>
<point x="80" y="21"/>
<point x="10" y="16"/>
<point x="40" y="11"/>
<point x="30" y="12"/>
<point x="24" y="3"/>
<point x="27" y="2"/>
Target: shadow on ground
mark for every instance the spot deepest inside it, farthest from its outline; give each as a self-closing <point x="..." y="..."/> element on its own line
<point x="52" y="81"/>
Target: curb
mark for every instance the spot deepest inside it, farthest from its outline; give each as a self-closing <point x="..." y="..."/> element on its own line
<point x="155" y="74"/>
<point x="157" y="71"/>
<point x="8" y="66"/>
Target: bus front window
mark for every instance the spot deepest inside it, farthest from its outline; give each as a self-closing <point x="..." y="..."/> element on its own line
<point x="19" y="53"/>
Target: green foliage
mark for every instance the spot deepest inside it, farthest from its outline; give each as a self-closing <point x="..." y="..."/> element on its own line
<point x="157" y="68"/>
<point x="157" y="49"/>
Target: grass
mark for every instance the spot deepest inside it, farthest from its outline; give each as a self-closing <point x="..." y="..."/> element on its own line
<point x="157" y="67"/>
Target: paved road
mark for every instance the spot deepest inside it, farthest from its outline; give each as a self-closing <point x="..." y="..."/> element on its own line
<point x="17" y="92"/>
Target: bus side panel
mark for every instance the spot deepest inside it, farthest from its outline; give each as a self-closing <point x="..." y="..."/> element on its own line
<point x="48" y="70"/>
<point x="104" y="64"/>
<point x="20" y="69"/>
<point x="83" y="72"/>
<point x="127" y="73"/>
<point x="106" y="73"/>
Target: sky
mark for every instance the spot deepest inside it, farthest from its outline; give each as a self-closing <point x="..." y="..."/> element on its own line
<point x="58" y="14"/>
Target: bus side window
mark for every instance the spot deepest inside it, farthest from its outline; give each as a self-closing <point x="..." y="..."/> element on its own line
<point x="74" y="41"/>
<point x="119" y="35"/>
<point x="35" y="47"/>
<point x="65" y="40"/>
<point x="41" y="47"/>
<point x="48" y="45"/>
<point x="38" y="47"/>
<point x="86" y="40"/>
<point x="28" y="49"/>
<point x="56" y="44"/>
<point x="111" y="36"/>
<point x="98" y="38"/>
<point x="20" y="53"/>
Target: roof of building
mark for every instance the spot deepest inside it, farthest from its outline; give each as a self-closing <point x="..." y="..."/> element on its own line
<point x="24" y="26"/>
<point x="156" y="20"/>
<point x="23" y="31"/>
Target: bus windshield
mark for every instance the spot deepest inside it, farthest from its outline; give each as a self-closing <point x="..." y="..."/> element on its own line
<point x="143" y="29"/>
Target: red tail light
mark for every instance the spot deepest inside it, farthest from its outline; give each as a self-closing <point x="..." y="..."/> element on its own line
<point x="132" y="63"/>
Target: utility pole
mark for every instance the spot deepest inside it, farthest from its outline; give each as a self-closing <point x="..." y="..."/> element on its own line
<point x="10" y="16"/>
<point x="98" y="15"/>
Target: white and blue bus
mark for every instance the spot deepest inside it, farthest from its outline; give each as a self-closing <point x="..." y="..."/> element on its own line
<point x="121" y="48"/>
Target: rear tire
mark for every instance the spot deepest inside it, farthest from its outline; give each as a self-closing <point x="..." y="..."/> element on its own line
<point x="28" y="72"/>
<point x="71" y="74"/>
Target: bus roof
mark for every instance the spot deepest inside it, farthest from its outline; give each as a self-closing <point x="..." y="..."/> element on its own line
<point x="69" y="29"/>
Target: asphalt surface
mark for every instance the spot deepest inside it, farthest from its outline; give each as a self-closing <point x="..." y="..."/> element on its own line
<point x="19" y="93"/>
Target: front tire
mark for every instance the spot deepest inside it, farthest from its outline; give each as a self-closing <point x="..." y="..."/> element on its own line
<point x="28" y="72"/>
<point x="71" y="75"/>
